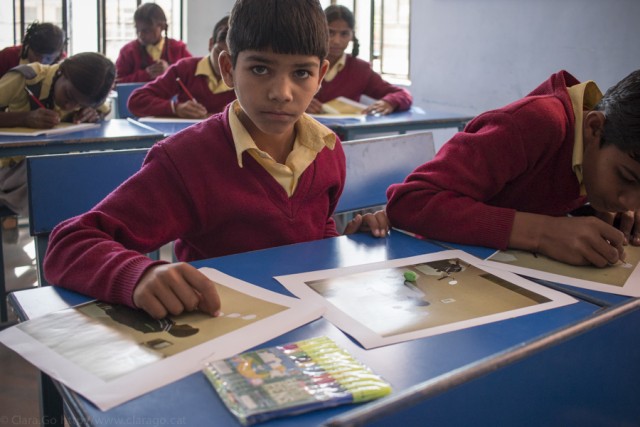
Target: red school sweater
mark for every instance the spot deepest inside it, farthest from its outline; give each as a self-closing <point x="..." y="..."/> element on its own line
<point x="134" y="58"/>
<point x="154" y="98"/>
<point x="516" y="158"/>
<point x="357" y="78"/>
<point x="190" y="189"/>
<point x="9" y="58"/>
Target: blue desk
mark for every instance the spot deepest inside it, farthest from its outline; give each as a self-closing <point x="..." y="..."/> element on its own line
<point x="112" y="134"/>
<point x="192" y="401"/>
<point x="166" y="128"/>
<point x="413" y="119"/>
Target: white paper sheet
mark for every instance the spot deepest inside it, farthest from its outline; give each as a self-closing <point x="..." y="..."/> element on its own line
<point x="58" y="129"/>
<point x="111" y="354"/>
<point x="152" y="119"/>
<point x="377" y="306"/>
<point x="623" y="278"/>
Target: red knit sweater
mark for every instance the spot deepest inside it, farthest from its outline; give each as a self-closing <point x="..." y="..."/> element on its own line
<point x="134" y="58"/>
<point x="9" y="58"/>
<point x="154" y="98"/>
<point x="357" y="79"/>
<point x="191" y="189"/>
<point x="517" y="158"/>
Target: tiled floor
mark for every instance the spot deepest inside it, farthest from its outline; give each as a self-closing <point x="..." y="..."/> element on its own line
<point x="18" y="379"/>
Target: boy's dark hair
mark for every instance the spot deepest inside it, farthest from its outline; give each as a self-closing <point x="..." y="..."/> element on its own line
<point x="296" y="27"/>
<point x="151" y="14"/>
<point x="223" y="23"/>
<point x="621" y="107"/>
<point x="43" y="38"/>
<point x="335" y="12"/>
<point x="91" y="73"/>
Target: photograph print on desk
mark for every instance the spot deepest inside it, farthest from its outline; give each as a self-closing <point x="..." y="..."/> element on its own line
<point x="622" y="278"/>
<point x="399" y="300"/>
<point x="111" y="354"/>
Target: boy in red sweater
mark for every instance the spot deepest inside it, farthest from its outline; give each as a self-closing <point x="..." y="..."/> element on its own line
<point x="516" y="174"/>
<point x="200" y="76"/>
<point x="259" y="174"/>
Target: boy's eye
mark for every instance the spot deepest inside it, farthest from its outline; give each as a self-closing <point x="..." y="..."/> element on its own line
<point x="259" y="70"/>
<point x="302" y="74"/>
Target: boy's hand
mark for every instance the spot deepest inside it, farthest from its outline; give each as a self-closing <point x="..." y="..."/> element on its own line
<point x="628" y="222"/>
<point x="379" y="108"/>
<point x="191" y="110"/>
<point x="174" y="289"/>
<point x="315" y="107"/>
<point x="581" y="241"/>
<point x="86" y="115"/>
<point x="377" y="223"/>
<point x="41" y="119"/>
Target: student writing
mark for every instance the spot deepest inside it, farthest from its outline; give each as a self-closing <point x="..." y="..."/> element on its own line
<point x="199" y="76"/>
<point x="146" y="58"/>
<point x="259" y="174"/>
<point x="73" y="90"/>
<point x="42" y="42"/>
<point x="513" y="175"/>
<point x="352" y="77"/>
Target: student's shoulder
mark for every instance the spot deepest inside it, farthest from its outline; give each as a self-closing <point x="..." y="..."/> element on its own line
<point x="129" y="46"/>
<point x="188" y="63"/>
<point x="11" y="51"/>
<point x="205" y="135"/>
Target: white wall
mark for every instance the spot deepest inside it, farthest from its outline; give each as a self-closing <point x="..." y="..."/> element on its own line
<point x="469" y="56"/>
<point x="202" y="15"/>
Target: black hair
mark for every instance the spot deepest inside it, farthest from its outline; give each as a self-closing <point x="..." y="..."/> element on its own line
<point x="297" y="27"/>
<point x="152" y="14"/>
<point x="223" y="23"/>
<point x="43" y="38"/>
<point x="621" y="107"/>
<point x="336" y="12"/>
<point x="91" y="73"/>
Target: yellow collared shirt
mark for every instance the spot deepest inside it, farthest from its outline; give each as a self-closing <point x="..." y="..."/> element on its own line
<point x="311" y="138"/>
<point x="155" y="50"/>
<point x="584" y="96"/>
<point x="333" y="71"/>
<point x="203" y="68"/>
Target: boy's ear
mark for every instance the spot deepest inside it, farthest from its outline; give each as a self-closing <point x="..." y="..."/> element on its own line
<point x="211" y="43"/>
<point x="592" y="127"/>
<point x="324" y="67"/>
<point x="226" y="68"/>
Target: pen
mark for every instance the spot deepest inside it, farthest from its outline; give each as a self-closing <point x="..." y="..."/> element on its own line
<point x="184" y="88"/>
<point x="35" y="98"/>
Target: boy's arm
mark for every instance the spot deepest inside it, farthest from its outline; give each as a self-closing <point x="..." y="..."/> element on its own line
<point x="154" y="98"/>
<point x="574" y="240"/>
<point x="399" y="98"/>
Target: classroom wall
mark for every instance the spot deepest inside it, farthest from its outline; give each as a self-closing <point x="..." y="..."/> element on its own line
<point x="202" y="15"/>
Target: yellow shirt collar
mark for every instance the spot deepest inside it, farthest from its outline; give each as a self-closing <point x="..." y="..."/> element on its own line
<point x="337" y="67"/>
<point x="155" y="50"/>
<point x="584" y="96"/>
<point x="203" y="68"/>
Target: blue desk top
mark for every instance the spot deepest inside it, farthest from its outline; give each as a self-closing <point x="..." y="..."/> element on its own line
<point x="111" y="134"/>
<point x="193" y="401"/>
<point x="167" y="128"/>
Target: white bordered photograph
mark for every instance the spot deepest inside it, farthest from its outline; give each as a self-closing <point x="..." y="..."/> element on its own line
<point x="111" y="354"/>
<point x="622" y="278"/>
<point x="399" y="300"/>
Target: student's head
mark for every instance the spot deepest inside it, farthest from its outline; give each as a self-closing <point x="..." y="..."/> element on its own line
<point x="218" y="43"/>
<point x="342" y="25"/>
<point x="83" y="80"/>
<point x="611" y="132"/>
<point x="150" y="22"/>
<point x="43" y="43"/>
<point x="275" y="61"/>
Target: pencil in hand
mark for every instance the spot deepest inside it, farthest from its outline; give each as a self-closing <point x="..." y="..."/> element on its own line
<point x="34" y="98"/>
<point x="184" y="88"/>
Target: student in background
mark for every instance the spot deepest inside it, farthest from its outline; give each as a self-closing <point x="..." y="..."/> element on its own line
<point x="514" y="176"/>
<point x="43" y="43"/>
<point x="201" y="78"/>
<point x="351" y="77"/>
<point x="259" y="174"/>
<point x="146" y="58"/>
<point x="73" y="91"/>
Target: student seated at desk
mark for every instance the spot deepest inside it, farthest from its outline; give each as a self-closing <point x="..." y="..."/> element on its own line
<point x="511" y="178"/>
<point x="201" y="78"/>
<point x="351" y="77"/>
<point x="259" y="174"/>
<point x="42" y="42"/>
<point x="147" y="57"/>
<point x="73" y="90"/>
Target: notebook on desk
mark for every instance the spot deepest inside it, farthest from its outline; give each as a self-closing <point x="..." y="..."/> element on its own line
<point x="58" y="129"/>
<point x="342" y="106"/>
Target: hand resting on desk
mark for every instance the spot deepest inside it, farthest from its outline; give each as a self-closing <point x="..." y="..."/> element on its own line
<point x="174" y="289"/>
<point x="377" y="223"/>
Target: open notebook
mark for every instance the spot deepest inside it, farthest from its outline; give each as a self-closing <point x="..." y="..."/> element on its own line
<point x="342" y="106"/>
<point x="58" y="129"/>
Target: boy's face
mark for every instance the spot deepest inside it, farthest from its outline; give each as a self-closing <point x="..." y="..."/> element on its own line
<point x="148" y="34"/>
<point x="67" y="97"/>
<point x="611" y="177"/>
<point x="273" y="89"/>
<point x="217" y="44"/>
